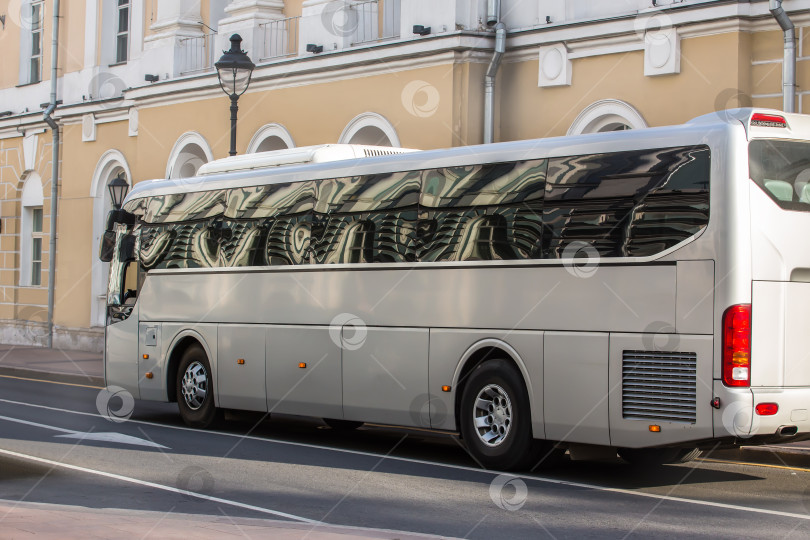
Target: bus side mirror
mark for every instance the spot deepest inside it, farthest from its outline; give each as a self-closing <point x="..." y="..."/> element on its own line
<point x="107" y="246"/>
<point x="127" y="249"/>
<point x="120" y="216"/>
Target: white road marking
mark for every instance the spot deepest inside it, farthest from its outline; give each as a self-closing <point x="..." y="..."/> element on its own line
<point x="111" y="437"/>
<point x="542" y="479"/>
<point x="119" y="438"/>
<point x="35" y="424"/>
<point x="160" y="486"/>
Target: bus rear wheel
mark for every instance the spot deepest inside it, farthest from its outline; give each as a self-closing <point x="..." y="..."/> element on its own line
<point x="651" y="457"/>
<point x="495" y="416"/>
<point x="195" y="390"/>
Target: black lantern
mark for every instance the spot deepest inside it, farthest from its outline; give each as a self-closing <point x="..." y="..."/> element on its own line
<point x="118" y="190"/>
<point x="234" y="70"/>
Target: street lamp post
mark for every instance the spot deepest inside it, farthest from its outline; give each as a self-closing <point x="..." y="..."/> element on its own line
<point x="234" y="70"/>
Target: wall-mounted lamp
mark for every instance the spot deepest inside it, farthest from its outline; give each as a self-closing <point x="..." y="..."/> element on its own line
<point x="151" y="78"/>
<point x="3" y="20"/>
<point x="118" y="187"/>
<point x="548" y="19"/>
<point x="655" y="3"/>
<point x="311" y="47"/>
<point x="421" y="30"/>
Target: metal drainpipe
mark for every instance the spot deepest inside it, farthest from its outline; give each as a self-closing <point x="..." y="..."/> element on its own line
<point x="789" y="62"/>
<point x="489" y="82"/>
<point x="54" y="170"/>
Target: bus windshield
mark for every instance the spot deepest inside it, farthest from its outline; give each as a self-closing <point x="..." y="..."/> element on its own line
<point x="782" y="169"/>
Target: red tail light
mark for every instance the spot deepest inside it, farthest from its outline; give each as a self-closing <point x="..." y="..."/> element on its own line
<point x="768" y="120"/>
<point x="737" y="345"/>
<point x="767" y="409"/>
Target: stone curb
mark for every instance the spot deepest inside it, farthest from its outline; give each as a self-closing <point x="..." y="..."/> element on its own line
<point x="766" y="455"/>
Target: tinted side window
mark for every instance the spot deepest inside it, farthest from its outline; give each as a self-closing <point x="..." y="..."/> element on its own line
<point x="675" y="210"/>
<point x="482" y="212"/>
<point x="289" y="219"/>
<point x="626" y="203"/>
<point x="242" y="227"/>
<point x="365" y="219"/>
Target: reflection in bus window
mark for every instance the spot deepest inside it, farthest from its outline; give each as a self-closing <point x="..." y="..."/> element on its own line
<point x="460" y="206"/>
<point x="626" y="204"/>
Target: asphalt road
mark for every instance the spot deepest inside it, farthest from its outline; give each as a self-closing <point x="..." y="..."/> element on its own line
<point x="56" y="448"/>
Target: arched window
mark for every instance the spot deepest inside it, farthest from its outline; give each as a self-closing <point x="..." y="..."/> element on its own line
<point x="112" y="164"/>
<point x="32" y="237"/>
<point x="607" y="115"/>
<point x="190" y="152"/>
<point x="270" y="137"/>
<point x="372" y="129"/>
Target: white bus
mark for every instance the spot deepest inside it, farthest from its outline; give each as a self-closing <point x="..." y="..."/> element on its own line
<point x="644" y="291"/>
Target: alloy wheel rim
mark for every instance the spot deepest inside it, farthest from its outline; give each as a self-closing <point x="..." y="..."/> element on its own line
<point x="195" y="385"/>
<point x="492" y="415"/>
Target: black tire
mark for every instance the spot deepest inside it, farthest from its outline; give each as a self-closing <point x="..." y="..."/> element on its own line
<point x="653" y="457"/>
<point x="547" y="455"/>
<point x="512" y="447"/>
<point x="689" y="454"/>
<point x="342" y="425"/>
<point x="202" y="414"/>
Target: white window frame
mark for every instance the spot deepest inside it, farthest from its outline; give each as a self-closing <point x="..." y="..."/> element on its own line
<point x="268" y="131"/>
<point x="182" y="153"/>
<point x="32" y="199"/>
<point x="35" y="76"/>
<point x="120" y="6"/>
<point x="31" y="34"/>
<point x="370" y="119"/>
<point x="607" y="115"/>
<point x="37" y="235"/>
<point x="111" y="164"/>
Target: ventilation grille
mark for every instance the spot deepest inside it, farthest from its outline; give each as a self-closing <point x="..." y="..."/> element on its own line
<point x="659" y="386"/>
<point x="376" y="152"/>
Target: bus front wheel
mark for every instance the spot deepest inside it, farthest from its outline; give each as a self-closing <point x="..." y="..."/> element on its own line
<point x="495" y="416"/>
<point x="195" y="389"/>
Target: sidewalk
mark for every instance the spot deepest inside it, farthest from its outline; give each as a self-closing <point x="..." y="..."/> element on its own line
<point x="52" y="364"/>
<point x="86" y="368"/>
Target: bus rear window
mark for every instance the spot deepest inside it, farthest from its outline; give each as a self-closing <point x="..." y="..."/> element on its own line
<point x="782" y="169"/>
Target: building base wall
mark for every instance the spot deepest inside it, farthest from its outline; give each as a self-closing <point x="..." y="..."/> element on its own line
<point x="13" y="332"/>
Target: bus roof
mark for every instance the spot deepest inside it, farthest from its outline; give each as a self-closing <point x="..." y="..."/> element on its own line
<point x="321" y="153"/>
<point x="334" y="161"/>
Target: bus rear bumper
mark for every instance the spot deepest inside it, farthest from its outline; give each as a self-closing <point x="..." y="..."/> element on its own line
<point x="737" y="417"/>
<point x="792" y="417"/>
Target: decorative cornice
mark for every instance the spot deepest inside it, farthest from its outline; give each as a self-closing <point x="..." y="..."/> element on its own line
<point x="329" y="67"/>
<point x="616" y="35"/>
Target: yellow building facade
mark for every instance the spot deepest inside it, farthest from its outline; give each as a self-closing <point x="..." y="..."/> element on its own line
<point x="140" y="98"/>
